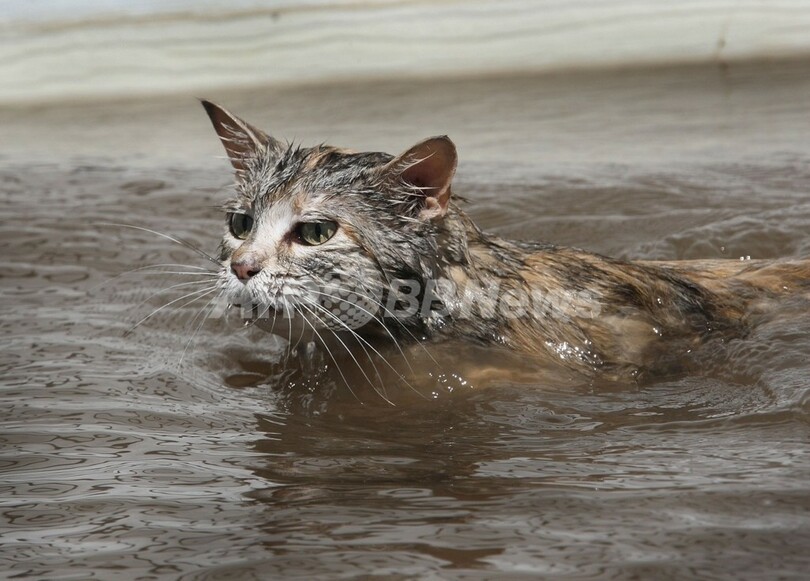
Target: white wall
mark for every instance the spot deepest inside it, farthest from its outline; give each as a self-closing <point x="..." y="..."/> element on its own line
<point x="60" y="49"/>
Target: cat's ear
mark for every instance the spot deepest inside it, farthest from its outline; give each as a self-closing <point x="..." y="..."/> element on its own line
<point x="242" y="141"/>
<point x="428" y="168"/>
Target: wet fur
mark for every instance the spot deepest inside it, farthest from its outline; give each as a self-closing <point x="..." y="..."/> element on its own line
<point x="638" y="316"/>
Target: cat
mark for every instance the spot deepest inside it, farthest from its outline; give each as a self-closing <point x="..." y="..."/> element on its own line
<point x="327" y="243"/>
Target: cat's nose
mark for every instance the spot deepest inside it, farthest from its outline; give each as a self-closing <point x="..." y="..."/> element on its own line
<point x="246" y="268"/>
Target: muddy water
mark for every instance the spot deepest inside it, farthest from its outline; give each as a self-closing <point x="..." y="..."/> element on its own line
<point x="181" y="450"/>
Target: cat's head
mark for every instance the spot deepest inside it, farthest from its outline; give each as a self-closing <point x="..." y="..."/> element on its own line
<point x="319" y="232"/>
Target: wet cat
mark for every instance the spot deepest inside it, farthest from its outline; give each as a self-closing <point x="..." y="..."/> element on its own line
<point x="325" y="243"/>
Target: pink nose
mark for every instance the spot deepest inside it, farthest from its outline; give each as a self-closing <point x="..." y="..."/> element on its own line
<point x="245" y="268"/>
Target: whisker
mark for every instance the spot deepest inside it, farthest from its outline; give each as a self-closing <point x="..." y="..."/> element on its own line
<point x="201" y="293"/>
<point x="404" y="328"/>
<point x="295" y="347"/>
<point x="332" y="357"/>
<point x="179" y="241"/>
<point x="289" y="331"/>
<point x="361" y="338"/>
<point x="356" y="362"/>
<point x="387" y="330"/>
<point x="373" y="318"/>
<point x="168" y="288"/>
<point x="154" y="267"/>
<point x="185" y="273"/>
<point x="387" y="311"/>
<point x="200" y="326"/>
<point x="275" y="314"/>
<point x="322" y="309"/>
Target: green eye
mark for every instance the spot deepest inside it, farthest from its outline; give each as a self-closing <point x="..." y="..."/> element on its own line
<point x="315" y="233"/>
<point x="240" y="225"/>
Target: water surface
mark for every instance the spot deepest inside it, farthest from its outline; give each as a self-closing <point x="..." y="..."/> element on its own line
<point x="180" y="450"/>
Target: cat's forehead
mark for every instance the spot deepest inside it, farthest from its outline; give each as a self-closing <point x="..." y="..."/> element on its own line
<point x="303" y="173"/>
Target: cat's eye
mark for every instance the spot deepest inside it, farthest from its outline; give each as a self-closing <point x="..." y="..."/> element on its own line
<point x="315" y="233"/>
<point x="240" y="225"/>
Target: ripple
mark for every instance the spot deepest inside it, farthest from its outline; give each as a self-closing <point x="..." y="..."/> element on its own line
<point x="121" y="461"/>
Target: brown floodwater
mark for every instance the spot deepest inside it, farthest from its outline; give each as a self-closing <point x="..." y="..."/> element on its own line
<point x="185" y="449"/>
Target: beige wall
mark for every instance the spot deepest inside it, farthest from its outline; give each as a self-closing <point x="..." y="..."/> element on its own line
<point x="56" y="50"/>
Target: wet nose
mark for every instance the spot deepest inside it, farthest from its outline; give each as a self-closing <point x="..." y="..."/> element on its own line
<point x="246" y="268"/>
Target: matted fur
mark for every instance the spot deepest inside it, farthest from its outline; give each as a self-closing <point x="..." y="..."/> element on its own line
<point x="617" y="317"/>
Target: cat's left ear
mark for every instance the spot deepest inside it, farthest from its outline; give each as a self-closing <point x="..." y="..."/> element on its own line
<point x="241" y="140"/>
<point x="428" y="167"/>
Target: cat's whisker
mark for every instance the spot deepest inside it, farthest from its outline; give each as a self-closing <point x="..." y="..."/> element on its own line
<point x="359" y="337"/>
<point x="171" y="287"/>
<point x="355" y="335"/>
<point x="289" y="329"/>
<point x="179" y="241"/>
<point x="144" y="270"/>
<point x="356" y="362"/>
<point x="198" y="294"/>
<point x="332" y="357"/>
<point x="404" y="327"/>
<point x="294" y="348"/>
<point x="388" y="284"/>
<point x="210" y="309"/>
<point x="380" y="355"/>
<point x="387" y="330"/>
<point x="184" y="273"/>
<point x="275" y="316"/>
<point x="179" y="309"/>
<point x="208" y="273"/>
<point x="254" y="320"/>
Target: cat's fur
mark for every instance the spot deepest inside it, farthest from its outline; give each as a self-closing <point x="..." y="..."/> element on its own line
<point x="397" y="220"/>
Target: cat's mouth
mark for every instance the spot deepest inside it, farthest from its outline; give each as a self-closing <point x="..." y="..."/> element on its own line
<point x="296" y="322"/>
<point x="274" y="303"/>
<point x="294" y="314"/>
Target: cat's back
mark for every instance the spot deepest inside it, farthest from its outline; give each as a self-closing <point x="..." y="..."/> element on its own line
<point x="749" y="278"/>
<point x="634" y="313"/>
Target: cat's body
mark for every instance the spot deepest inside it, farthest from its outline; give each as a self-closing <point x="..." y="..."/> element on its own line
<point x="417" y="269"/>
<point x="594" y="313"/>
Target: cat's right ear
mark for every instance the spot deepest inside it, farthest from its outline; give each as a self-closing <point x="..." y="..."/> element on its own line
<point x="427" y="169"/>
<point x="241" y="140"/>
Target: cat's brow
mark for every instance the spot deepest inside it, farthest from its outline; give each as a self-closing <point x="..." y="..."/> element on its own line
<point x="233" y="205"/>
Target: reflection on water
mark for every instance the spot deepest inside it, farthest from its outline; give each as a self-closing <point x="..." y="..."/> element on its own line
<point x="183" y="454"/>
